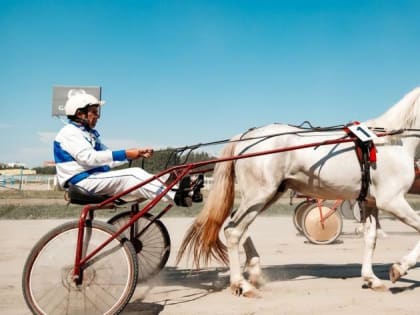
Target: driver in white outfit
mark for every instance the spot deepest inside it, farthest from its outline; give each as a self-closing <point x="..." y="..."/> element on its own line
<point x="83" y="160"/>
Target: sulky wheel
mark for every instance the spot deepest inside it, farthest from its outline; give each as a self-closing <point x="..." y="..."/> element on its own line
<point x="151" y="242"/>
<point x="346" y="209"/>
<point x="357" y="212"/>
<point x="298" y="214"/>
<point x="316" y="231"/>
<point x="108" y="278"/>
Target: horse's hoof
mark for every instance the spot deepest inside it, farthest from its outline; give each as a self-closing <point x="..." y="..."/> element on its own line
<point x="396" y="272"/>
<point x="377" y="287"/>
<point x="244" y="289"/>
<point x="252" y="294"/>
<point x="236" y="290"/>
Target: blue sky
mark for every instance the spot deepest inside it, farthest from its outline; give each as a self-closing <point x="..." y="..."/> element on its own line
<point x="182" y="72"/>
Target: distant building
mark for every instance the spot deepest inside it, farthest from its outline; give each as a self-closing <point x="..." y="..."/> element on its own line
<point x="16" y="165"/>
<point x="48" y="163"/>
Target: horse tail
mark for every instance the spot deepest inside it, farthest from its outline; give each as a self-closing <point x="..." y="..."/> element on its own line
<point x="202" y="238"/>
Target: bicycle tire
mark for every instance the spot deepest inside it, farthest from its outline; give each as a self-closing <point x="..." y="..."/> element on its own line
<point x="109" y="278"/>
<point x="346" y="209"/>
<point x="152" y="246"/>
<point x="298" y="214"/>
<point x="313" y="229"/>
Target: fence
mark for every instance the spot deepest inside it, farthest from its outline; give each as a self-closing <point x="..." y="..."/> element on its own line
<point x="48" y="182"/>
<point x="28" y="182"/>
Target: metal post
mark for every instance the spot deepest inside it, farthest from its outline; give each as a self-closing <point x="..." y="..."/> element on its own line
<point x="21" y="178"/>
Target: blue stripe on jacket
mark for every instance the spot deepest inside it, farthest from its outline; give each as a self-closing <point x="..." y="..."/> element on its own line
<point x="77" y="178"/>
<point x="61" y="155"/>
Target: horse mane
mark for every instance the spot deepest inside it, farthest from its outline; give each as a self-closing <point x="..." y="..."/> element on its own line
<point x="402" y="115"/>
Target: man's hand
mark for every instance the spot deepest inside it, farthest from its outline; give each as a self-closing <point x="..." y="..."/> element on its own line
<point x="133" y="154"/>
<point x="146" y="153"/>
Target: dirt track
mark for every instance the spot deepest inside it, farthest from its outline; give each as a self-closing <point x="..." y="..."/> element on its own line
<point x="301" y="278"/>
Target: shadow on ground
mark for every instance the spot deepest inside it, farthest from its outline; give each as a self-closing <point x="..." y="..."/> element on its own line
<point x="216" y="279"/>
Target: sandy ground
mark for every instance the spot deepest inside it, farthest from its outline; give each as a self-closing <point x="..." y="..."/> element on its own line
<point x="302" y="278"/>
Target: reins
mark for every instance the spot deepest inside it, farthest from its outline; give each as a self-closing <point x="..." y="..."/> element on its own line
<point x="188" y="149"/>
<point x="304" y="131"/>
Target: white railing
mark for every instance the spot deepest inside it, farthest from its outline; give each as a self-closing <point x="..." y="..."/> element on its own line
<point x="29" y="182"/>
<point x="49" y="182"/>
<point x="208" y="181"/>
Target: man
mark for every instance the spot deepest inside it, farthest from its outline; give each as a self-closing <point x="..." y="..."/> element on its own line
<point x="82" y="159"/>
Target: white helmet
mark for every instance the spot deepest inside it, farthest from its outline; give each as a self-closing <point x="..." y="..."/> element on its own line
<point x="79" y="100"/>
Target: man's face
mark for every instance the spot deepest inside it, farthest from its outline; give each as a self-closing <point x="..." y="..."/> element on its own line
<point x="93" y="114"/>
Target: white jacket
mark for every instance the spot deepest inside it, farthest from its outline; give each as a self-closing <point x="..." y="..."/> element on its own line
<point x="79" y="153"/>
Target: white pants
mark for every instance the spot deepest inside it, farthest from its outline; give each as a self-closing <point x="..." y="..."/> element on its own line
<point x="115" y="182"/>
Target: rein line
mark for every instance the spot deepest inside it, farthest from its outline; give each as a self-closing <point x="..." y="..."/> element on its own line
<point x="190" y="148"/>
<point x="304" y="131"/>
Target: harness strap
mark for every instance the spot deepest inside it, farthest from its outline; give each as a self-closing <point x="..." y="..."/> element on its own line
<point x="366" y="154"/>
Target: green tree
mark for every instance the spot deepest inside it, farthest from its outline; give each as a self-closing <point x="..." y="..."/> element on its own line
<point x="45" y="170"/>
<point x="164" y="159"/>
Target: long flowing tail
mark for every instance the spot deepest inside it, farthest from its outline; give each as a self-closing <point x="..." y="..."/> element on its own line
<point x="202" y="238"/>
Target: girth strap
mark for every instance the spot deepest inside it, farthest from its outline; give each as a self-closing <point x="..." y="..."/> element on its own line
<point x="366" y="154"/>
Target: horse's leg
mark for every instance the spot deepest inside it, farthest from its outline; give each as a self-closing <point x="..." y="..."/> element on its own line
<point x="370" y="228"/>
<point x="253" y="267"/>
<point x="403" y="211"/>
<point x="400" y="269"/>
<point x="234" y="231"/>
<point x="411" y="218"/>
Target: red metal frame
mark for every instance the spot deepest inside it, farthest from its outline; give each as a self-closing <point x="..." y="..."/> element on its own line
<point x="333" y="209"/>
<point x="180" y="171"/>
<point x="79" y="261"/>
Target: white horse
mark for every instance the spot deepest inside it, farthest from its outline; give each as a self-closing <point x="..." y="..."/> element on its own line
<point x="327" y="172"/>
